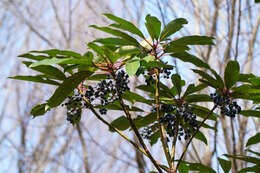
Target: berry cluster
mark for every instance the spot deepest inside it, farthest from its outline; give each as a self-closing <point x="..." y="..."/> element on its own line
<point x="108" y="90"/>
<point x="149" y="75"/>
<point x="105" y="92"/>
<point x="74" y="107"/>
<point x="122" y="82"/>
<point x="166" y="72"/>
<point x="103" y="111"/>
<point x="149" y="80"/>
<point x="227" y="106"/>
<point x="146" y="132"/>
<point x="182" y="122"/>
<point x="167" y="108"/>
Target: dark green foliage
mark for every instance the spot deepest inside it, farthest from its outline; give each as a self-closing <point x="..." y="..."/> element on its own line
<point x="225" y="165"/>
<point x="153" y="25"/>
<point x="253" y="140"/>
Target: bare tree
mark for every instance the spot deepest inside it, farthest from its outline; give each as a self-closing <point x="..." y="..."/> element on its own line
<point x="50" y="143"/>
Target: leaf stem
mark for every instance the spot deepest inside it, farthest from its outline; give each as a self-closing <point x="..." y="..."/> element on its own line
<point x="194" y="134"/>
<point x="110" y="126"/>
<point x="133" y="126"/>
<point x="175" y="140"/>
<point x="162" y="132"/>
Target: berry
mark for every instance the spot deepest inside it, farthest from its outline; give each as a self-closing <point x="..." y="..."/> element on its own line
<point x="167" y="108"/>
<point x="166" y="72"/>
<point x="227" y="107"/>
<point x="146" y="132"/>
<point x="103" y="111"/>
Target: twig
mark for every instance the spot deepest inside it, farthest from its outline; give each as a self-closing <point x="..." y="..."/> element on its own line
<point x="112" y="127"/>
<point x="234" y="142"/>
<point x="238" y="28"/>
<point x="128" y="115"/>
<point x="84" y="148"/>
<point x="194" y="134"/>
<point x="162" y="132"/>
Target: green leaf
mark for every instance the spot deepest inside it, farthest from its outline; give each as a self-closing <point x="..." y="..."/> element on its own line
<point x="252" y="113"/>
<point x="96" y="48"/>
<point x="257" y="1"/>
<point x="153" y="26"/>
<point x="121" y="123"/>
<point x="231" y="74"/>
<point x="172" y="27"/>
<point x="66" y="88"/>
<point x="200" y="136"/>
<point x="116" y="106"/>
<point x="61" y="61"/>
<point x="134" y="97"/>
<point x="201" y="111"/>
<point x="33" y="57"/>
<point x="125" y="25"/>
<point x="218" y="78"/>
<point x="253" y="91"/>
<point x="132" y="66"/>
<point x="176" y="80"/>
<point x="253" y="140"/>
<point x="171" y="48"/>
<point x="192" y="89"/>
<point x="149" y="58"/>
<point x="245" y="158"/>
<point x="118" y="33"/>
<point x="146" y="88"/>
<point x="193" y="40"/>
<point x="255" y="81"/>
<point x="146" y="120"/>
<point x="50" y="71"/>
<point x="154" y="64"/>
<point x="198" y="98"/>
<point x="207" y="79"/>
<point x="55" y="52"/>
<point x="154" y="138"/>
<point x="186" y="57"/>
<point x="113" y="41"/>
<point x="39" y="110"/>
<point x="165" y="91"/>
<point x="255" y="168"/>
<point x="225" y="164"/>
<point x="98" y="77"/>
<point x="37" y="78"/>
<point x="242" y="88"/>
<point x="201" y="168"/>
<point x="251" y="151"/>
<point x="207" y="126"/>
<point x="245" y="77"/>
<point x="128" y="51"/>
<point x="183" y="168"/>
<point x="48" y="62"/>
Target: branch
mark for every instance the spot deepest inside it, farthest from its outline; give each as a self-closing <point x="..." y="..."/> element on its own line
<point x="234" y="143"/>
<point x="128" y="115"/>
<point x="84" y="148"/>
<point x="230" y="33"/>
<point x="41" y="36"/>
